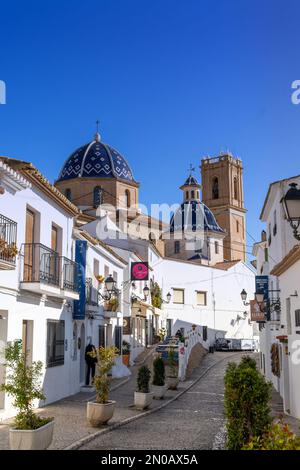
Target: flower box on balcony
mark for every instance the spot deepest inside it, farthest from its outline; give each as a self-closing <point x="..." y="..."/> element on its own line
<point x="111" y="305"/>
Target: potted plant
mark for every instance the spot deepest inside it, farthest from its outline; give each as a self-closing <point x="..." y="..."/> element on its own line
<point x="30" y="431"/>
<point x="101" y="411"/>
<point x="172" y="374"/>
<point x="143" y="396"/>
<point x="112" y="305"/>
<point x="158" y="383"/>
<point x="125" y="352"/>
<point x="100" y="278"/>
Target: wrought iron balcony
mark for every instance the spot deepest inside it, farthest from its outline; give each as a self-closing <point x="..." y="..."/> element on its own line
<point x="41" y="265"/>
<point x="8" y="240"/>
<point x="69" y="274"/>
<point x="92" y="297"/>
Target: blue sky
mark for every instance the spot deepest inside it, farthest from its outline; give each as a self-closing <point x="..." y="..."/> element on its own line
<point x="170" y="82"/>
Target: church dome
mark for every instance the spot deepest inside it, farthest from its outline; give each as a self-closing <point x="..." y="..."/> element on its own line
<point x="194" y="216"/>
<point x="96" y="160"/>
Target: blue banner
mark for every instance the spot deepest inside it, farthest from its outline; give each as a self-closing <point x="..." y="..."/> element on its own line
<point x="262" y="286"/>
<point x="80" y="258"/>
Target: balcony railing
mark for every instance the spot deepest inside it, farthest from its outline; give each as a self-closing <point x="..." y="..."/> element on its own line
<point x="69" y="274"/>
<point x="41" y="264"/>
<point x="91" y="292"/>
<point x="8" y="239"/>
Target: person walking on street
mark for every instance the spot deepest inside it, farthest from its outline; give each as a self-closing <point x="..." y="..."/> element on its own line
<point x="90" y="362"/>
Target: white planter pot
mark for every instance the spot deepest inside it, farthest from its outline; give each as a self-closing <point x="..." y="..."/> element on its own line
<point x="36" y="439"/>
<point x="142" y="400"/>
<point x="100" y="413"/>
<point x="159" y="391"/>
<point x="172" y="383"/>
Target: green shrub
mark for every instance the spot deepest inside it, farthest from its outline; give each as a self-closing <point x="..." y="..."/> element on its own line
<point x="278" y="437"/>
<point x="158" y="372"/>
<point x="105" y="360"/>
<point x="156" y="295"/>
<point x="23" y="384"/>
<point x="143" y="379"/>
<point x="246" y="403"/>
<point x="171" y="361"/>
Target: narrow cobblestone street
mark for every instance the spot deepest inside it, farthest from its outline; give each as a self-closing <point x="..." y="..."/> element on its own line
<point x="194" y="420"/>
<point x="190" y="422"/>
<point x="70" y="414"/>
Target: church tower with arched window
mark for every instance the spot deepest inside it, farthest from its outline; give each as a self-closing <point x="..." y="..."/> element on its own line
<point x="222" y="192"/>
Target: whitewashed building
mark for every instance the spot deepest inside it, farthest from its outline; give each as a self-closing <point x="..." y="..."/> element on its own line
<point x="38" y="278"/>
<point x="208" y="296"/>
<point x="39" y="282"/>
<point x="278" y="257"/>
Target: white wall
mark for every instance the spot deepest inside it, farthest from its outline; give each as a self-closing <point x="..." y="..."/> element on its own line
<point x="289" y="284"/>
<point x="288" y="385"/>
<point x="223" y="296"/>
<point x="284" y="240"/>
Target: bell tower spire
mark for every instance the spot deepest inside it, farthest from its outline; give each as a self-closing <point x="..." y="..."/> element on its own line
<point x="222" y="181"/>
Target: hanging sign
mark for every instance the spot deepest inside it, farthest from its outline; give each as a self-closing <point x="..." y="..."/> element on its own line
<point x="80" y="258"/>
<point x="256" y="313"/>
<point x="139" y="271"/>
<point x="262" y="286"/>
<point x="126" y="325"/>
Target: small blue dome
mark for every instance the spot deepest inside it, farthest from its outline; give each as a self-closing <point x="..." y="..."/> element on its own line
<point x="96" y="160"/>
<point x="192" y="216"/>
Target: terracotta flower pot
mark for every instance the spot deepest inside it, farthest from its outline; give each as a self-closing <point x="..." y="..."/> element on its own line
<point x="125" y="359"/>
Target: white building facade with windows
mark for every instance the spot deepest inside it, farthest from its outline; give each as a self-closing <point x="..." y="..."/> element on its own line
<point x="208" y="296"/>
<point x="39" y="283"/>
<point x="279" y="335"/>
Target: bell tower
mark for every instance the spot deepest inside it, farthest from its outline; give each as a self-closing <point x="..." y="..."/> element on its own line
<point x="223" y="193"/>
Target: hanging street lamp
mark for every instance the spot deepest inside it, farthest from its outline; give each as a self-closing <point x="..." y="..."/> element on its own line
<point x="291" y="205"/>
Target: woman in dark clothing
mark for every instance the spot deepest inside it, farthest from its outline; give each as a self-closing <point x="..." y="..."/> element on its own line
<point x="90" y="362"/>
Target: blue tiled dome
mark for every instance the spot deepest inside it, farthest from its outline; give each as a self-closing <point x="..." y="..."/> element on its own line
<point x="193" y="216"/>
<point x="96" y="160"/>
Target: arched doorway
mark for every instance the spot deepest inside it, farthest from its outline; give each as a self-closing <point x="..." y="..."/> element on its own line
<point x="82" y="354"/>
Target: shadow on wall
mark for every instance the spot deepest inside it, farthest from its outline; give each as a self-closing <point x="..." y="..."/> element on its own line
<point x="185" y="327"/>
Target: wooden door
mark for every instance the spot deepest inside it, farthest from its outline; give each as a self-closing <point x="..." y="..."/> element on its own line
<point x="54" y="259"/>
<point x="54" y="238"/>
<point x="29" y="248"/>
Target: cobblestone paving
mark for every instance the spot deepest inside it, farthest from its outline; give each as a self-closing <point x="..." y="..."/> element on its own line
<point x="70" y="413"/>
<point x="191" y="422"/>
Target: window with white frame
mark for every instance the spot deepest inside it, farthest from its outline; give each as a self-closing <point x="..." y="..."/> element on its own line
<point x="178" y="296"/>
<point x="201" y="297"/>
<point x="216" y="247"/>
